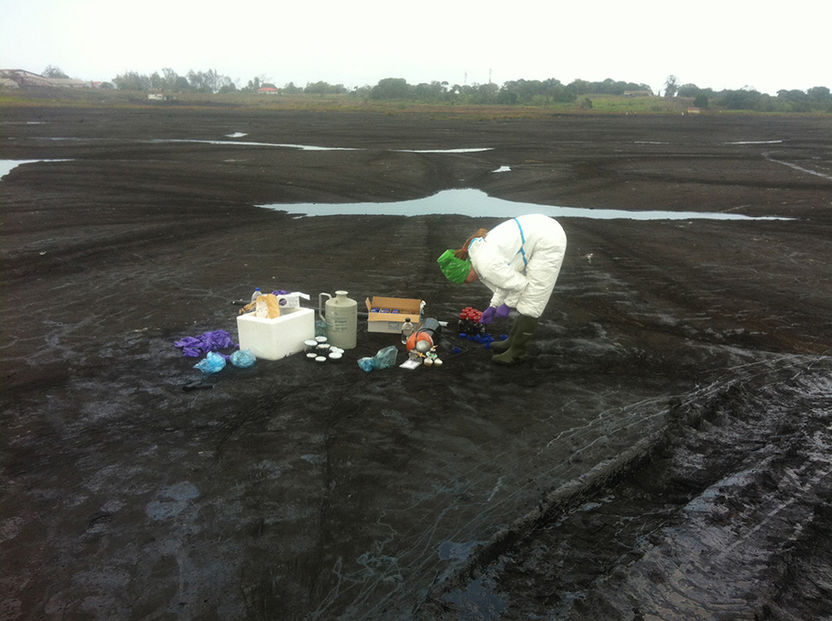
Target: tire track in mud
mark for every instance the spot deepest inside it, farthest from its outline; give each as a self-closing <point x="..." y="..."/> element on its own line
<point x="707" y="517"/>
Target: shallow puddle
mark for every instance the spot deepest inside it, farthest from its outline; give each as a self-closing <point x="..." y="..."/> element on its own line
<point x="7" y="166"/>
<point x="308" y="147"/>
<point x="464" y="202"/>
<point x="464" y="150"/>
<point x="478" y="204"/>
<point x="808" y="171"/>
<point x="755" y="142"/>
<point x="247" y="143"/>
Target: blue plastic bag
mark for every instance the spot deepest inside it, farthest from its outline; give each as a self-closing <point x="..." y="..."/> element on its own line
<point x="384" y="359"/>
<point x="243" y="358"/>
<point x="366" y="364"/>
<point x="212" y="363"/>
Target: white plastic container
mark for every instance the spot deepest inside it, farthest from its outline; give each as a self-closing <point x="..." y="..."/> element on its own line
<point x="273" y="339"/>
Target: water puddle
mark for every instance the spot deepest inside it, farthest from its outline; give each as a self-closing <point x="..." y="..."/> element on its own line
<point x="7" y="166"/>
<point x="808" y="171"/>
<point x="477" y="204"/>
<point x="279" y="145"/>
<point x="755" y="142"/>
<point x="464" y="150"/>
<point x="245" y="143"/>
<point x="307" y="147"/>
<point x="448" y="550"/>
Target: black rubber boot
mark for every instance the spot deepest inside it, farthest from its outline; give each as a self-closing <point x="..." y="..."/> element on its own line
<point x="523" y="331"/>
<point x="501" y="346"/>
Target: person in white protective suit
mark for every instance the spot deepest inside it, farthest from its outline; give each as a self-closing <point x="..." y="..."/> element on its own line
<point x="519" y="260"/>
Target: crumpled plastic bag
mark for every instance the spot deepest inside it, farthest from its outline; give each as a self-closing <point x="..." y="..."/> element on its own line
<point x="384" y="359"/>
<point x="243" y="358"/>
<point x="212" y="363"/>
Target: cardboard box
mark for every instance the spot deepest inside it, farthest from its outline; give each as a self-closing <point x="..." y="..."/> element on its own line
<point x="273" y="339"/>
<point x="388" y="314"/>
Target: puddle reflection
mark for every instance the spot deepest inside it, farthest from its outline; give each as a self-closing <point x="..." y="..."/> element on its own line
<point x="478" y="204"/>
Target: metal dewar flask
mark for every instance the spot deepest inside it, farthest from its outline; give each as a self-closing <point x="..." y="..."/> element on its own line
<point x="341" y="315"/>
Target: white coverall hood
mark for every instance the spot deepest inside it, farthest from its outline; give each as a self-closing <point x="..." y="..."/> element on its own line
<point x="519" y="260"/>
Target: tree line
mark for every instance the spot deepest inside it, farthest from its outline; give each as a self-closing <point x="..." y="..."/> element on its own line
<point x="513" y="92"/>
<point x="542" y="92"/>
<point x="815" y="99"/>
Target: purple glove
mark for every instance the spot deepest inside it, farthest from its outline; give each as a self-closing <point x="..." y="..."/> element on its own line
<point x="502" y="311"/>
<point x="488" y="315"/>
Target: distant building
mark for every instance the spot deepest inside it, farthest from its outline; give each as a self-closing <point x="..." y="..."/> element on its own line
<point x="22" y="79"/>
<point x="638" y="93"/>
<point x="160" y="97"/>
<point x="267" y="90"/>
<point x="68" y="83"/>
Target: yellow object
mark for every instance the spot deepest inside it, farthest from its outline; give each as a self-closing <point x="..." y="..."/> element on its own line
<point x="266" y="306"/>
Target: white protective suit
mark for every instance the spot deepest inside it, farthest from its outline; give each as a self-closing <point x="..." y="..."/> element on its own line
<point x="519" y="260"/>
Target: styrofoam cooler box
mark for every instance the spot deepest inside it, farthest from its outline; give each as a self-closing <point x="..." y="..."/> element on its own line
<point x="272" y="339"/>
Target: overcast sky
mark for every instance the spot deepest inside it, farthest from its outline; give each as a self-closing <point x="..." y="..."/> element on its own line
<point x="722" y="44"/>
